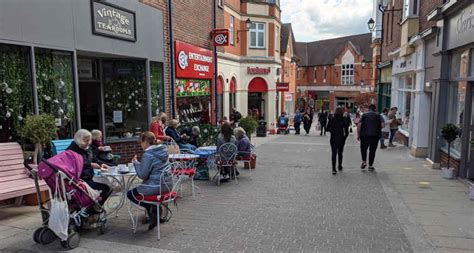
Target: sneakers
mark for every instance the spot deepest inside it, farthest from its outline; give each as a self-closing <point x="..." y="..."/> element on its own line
<point x="371" y="168"/>
<point x="391" y="145"/>
<point x="383" y="147"/>
<point x="340" y="168"/>
<point x="334" y="172"/>
<point x="363" y="165"/>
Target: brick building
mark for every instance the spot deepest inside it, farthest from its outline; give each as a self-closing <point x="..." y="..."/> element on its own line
<point x="288" y="69"/>
<point x="333" y="72"/>
<point x="249" y="67"/>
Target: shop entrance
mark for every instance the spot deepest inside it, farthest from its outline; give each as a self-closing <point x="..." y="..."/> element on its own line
<point x="256" y="102"/>
<point x="470" y="163"/>
<point x="89" y="93"/>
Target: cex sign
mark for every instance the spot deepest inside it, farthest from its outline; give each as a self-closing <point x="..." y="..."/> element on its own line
<point x="193" y="62"/>
<point x="220" y="37"/>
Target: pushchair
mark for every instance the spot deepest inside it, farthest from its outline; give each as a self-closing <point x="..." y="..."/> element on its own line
<point x="283" y="126"/>
<point x="82" y="201"/>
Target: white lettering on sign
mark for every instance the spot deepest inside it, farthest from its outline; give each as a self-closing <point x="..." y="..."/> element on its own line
<point x="465" y="22"/>
<point x="113" y="14"/>
<point x="199" y="57"/>
<point x="201" y="68"/>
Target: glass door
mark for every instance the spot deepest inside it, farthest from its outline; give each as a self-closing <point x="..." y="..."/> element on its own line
<point x="470" y="167"/>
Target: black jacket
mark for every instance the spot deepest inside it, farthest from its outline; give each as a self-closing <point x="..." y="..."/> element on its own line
<point x="88" y="157"/>
<point x="339" y="128"/>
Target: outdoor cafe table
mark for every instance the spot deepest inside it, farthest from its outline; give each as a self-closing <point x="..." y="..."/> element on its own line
<point x="124" y="180"/>
<point x="204" y="162"/>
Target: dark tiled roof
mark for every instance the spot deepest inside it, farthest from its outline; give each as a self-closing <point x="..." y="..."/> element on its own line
<point x="323" y="52"/>
<point x="286" y="31"/>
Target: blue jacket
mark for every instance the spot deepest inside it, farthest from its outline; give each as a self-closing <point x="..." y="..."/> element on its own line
<point x="150" y="169"/>
<point x="173" y="133"/>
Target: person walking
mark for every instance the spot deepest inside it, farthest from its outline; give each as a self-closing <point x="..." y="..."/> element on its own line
<point x="307" y="121"/>
<point x="339" y="129"/>
<point x="386" y="129"/>
<point x="323" y="121"/>
<point x="369" y="132"/>
<point x="394" y="124"/>
<point x="297" y="121"/>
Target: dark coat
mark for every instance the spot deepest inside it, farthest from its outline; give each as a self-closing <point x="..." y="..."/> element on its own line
<point x="339" y="128"/>
<point x="88" y="157"/>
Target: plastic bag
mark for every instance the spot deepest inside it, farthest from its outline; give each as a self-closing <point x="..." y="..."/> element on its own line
<point x="471" y="193"/>
<point x="447" y="173"/>
<point x="59" y="213"/>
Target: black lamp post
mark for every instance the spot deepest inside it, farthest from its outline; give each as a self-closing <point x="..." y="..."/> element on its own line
<point x="371" y="24"/>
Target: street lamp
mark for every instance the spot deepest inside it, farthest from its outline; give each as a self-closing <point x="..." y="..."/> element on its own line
<point x="371" y="24"/>
<point x="248" y="23"/>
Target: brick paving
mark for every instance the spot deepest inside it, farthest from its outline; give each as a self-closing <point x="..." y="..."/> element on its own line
<point x="291" y="202"/>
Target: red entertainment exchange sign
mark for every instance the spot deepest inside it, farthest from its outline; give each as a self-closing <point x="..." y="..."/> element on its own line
<point x="193" y="62"/>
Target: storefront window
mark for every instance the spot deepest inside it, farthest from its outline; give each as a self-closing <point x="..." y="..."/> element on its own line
<point x="193" y="100"/>
<point x="15" y="90"/>
<point x="455" y="112"/>
<point x="54" y="78"/>
<point x="455" y="66"/>
<point x="125" y="99"/>
<point x="471" y="63"/>
<point x="157" y="88"/>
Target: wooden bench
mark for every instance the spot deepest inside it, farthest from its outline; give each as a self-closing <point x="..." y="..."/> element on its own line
<point x="14" y="180"/>
<point x="58" y="146"/>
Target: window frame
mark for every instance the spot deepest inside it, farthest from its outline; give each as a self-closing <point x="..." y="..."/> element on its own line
<point x="232" y="30"/>
<point x="411" y="8"/>
<point x="347" y="74"/>
<point x="257" y="32"/>
<point x="277" y="37"/>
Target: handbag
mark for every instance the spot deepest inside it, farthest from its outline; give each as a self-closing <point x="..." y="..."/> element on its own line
<point x="59" y="213"/>
<point x="173" y="147"/>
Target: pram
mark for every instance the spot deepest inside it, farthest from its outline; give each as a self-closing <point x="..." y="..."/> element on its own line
<point x="283" y="125"/>
<point x="81" y="204"/>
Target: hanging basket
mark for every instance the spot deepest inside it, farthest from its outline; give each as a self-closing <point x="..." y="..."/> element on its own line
<point x="447" y="173"/>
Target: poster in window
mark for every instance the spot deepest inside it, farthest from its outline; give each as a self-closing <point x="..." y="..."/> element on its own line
<point x="191" y="88"/>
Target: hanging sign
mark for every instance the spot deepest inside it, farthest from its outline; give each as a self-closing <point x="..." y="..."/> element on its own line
<point x="282" y="86"/>
<point x="220" y="37"/>
<point x="193" y="62"/>
<point x="191" y="88"/>
<point x="113" y="21"/>
<point x="288" y="97"/>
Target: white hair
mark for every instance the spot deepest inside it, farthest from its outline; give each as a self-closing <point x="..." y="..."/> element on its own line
<point x="239" y="132"/>
<point x="195" y="130"/>
<point x="80" y="135"/>
<point x="96" y="133"/>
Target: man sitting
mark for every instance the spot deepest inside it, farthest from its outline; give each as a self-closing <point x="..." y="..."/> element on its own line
<point x="283" y="120"/>
<point x="172" y="132"/>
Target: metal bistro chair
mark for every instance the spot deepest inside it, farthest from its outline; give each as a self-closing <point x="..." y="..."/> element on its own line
<point x="163" y="199"/>
<point x="246" y="157"/>
<point x="187" y="170"/>
<point x="225" y="160"/>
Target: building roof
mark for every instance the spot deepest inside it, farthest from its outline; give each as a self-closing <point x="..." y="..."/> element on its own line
<point x="323" y="52"/>
<point x="286" y="31"/>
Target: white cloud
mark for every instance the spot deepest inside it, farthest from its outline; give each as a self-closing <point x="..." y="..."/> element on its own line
<point x="324" y="19"/>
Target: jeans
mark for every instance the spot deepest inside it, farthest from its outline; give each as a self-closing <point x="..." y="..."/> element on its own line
<point x="382" y="139"/>
<point x="371" y="143"/>
<point x="337" y="148"/>
<point x="133" y="192"/>
<point x="392" y="135"/>
<point x="297" y="127"/>
<point x="103" y="188"/>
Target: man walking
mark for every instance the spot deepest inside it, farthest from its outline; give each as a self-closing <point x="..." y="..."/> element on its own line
<point x="297" y="121"/>
<point x="323" y="121"/>
<point x="394" y="123"/>
<point x="369" y="133"/>
<point x="386" y="129"/>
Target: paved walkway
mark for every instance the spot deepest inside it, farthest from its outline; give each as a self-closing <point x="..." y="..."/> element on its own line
<point x="291" y="202"/>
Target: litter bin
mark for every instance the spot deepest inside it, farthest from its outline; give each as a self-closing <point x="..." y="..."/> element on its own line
<point x="262" y="128"/>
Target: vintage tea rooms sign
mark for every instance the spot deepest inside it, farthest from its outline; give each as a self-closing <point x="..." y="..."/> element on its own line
<point x="113" y="21"/>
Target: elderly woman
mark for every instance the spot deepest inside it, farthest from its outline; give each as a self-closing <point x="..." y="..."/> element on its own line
<point x="243" y="143"/>
<point x="158" y="125"/>
<point x="193" y="139"/>
<point x="150" y="170"/>
<point x="180" y="139"/>
<point x="80" y="145"/>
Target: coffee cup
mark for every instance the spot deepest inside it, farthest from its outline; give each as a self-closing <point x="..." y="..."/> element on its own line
<point x="107" y="148"/>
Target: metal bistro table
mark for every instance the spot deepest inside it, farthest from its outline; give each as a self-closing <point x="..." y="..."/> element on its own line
<point x="205" y="161"/>
<point x="124" y="180"/>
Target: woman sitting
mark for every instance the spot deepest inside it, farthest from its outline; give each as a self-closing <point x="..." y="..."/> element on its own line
<point x="158" y="125"/>
<point x="180" y="139"/>
<point x="225" y="136"/>
<point x="100" y="153"/>
<point x="150" y="169"/>
<point x="244" y="148"/>
<point x="80" y="145"/>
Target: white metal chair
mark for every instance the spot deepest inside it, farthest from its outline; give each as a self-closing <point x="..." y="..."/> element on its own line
<point x="224" y="160"/>
<point x="165" y="197"/>
<point x="187" y="170"/>
<point x="246" y="157"/>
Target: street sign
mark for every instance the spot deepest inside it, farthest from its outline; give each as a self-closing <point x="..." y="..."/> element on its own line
<point x="282" y="86"/>
<point x="220" y="37"/>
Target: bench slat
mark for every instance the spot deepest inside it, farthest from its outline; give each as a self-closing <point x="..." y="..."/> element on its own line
<point x="22" y="192"/>
<point x="7" y="152"/>
<point x="12" y="167"/>
<point x="13" y="178"/>
<point x="11" y="172"/>
<point x="10" y="162"/>
<point x="18" y="185"/>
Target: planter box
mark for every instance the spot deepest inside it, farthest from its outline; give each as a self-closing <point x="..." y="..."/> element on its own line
<point x="253" y="163"/>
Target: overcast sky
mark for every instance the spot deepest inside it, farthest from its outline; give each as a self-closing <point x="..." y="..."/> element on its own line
<point x="324" y="19"/>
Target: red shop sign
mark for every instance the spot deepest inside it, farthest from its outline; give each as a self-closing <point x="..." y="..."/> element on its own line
<point x="220" y="37"/>
<point x="258" y="71"/>
<point x="282" y="86"/>
<point x="193" y="62"/>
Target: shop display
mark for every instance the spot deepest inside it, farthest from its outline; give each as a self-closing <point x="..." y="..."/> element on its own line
<point x="193" y="100"/>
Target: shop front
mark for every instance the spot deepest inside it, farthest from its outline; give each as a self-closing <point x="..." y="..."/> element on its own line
<point x="94" y="65"/>
<point x="257" y="94"/>
<point x="385" y="87"/>
<point x="194" y="72"/>
<point x="454" y="89"/>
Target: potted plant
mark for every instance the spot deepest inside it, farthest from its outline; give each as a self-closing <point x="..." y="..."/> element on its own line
<point x="39" y="129"/>
<point x="450" y="133"/>
<point x="249" y="124"/>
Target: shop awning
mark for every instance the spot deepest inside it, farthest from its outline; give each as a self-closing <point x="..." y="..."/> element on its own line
<point x="258" y="85"/>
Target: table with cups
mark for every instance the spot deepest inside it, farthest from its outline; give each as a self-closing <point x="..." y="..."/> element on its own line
<point x="123" y="175"/>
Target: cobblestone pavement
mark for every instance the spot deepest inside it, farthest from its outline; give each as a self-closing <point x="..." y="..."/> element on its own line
<point x="290" y="203"/>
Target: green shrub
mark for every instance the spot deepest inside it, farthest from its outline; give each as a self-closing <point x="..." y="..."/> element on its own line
<point x="249" y="124"/>
<point x="39" y="129"/>
<point x="450" y="132"/>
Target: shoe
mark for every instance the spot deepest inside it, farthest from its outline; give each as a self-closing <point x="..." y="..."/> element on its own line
<point x="383" y="147"/>
<point x="334" y="172"/>
<point x="391" y="145"/>
<point x="340" y="168"/>
<point x="371" y="168"/>
<point x="153" y="219"/>
<point x="363" y="165"/>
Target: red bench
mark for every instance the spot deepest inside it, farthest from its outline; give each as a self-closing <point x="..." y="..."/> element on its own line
<point x="14" y="179"/>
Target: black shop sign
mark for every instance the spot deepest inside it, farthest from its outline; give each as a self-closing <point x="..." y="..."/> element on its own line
<point x="113" y="21"/>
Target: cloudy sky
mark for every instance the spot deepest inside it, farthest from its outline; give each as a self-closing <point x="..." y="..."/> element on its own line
<point x="324" y="19"/>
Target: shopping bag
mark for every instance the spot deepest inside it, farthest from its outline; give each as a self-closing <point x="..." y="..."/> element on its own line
<point x="93" y="193"/>
<point x="59" y="213"/>
<point x="318" y="127"/>
<point x="173" y="147"/>
<point x="447" y="173"/>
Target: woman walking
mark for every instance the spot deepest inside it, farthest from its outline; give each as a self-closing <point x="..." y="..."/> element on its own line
<point x="339" y="129"/>
<point x="307" y="120"/>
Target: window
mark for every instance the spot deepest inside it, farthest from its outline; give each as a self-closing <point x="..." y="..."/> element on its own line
<point x="347" y="74"/>
<point x="157" y="88"/>
<point x="231" y="30"/>
<point x="298" y="74"/>
<point x="315" y="74"/>
<point x="16" y="94"/>
<point x="257" y="35"/>
<point x="455" y="104"/>
<point x="410" y="8"/>
<point x="324" y="74"/>
<point x="277" y="39"/>
<point x="219" y="2"/>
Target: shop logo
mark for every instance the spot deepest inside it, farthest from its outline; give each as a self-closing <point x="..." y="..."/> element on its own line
<point x="220" y="39"/>
<point x="465" y="22"/>
<point x="182" y="60"/>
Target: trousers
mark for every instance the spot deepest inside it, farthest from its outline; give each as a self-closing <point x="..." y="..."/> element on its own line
<point x="323" y="128"/>
<point x="297" y="127"/>
<point x="103" y="188"/>
<point x="337" y="148"/>
<point x="392" y="135"/>
<point x="371" y="143"/>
